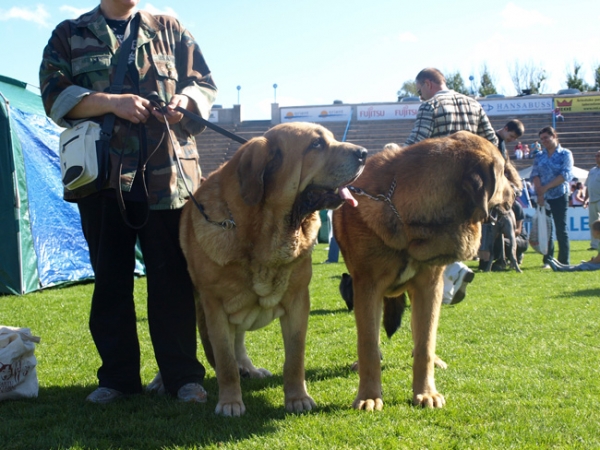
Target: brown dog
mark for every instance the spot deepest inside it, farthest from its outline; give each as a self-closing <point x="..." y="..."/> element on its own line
<point x="248" y="239"/>
<point x="420" y="209"/>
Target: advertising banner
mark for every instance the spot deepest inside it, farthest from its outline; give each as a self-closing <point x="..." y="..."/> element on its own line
<point x="394" y="111"/>
<point x="517" y="105"/>
<point x="578" y="104"/>
<point x="332" y="113"/>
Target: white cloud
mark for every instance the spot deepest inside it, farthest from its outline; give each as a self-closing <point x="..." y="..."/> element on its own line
<point x="38" y="15"/>
<point x="154" y="10"/>
<point x="515" y="16"/>
<point x="407" y="36"/>
<point x="74" y="12"/>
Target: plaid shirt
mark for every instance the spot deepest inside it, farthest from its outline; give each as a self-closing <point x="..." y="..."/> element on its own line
<point x="448" y="112"/>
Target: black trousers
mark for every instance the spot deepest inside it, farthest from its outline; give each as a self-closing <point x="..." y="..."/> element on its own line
<point x="170" y="298"/>
<point x="558" y="211"/>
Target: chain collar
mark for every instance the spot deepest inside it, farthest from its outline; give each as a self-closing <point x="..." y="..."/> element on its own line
<point x="380" y="197"/>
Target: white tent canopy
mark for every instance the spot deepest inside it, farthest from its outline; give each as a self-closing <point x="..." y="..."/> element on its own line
<point x="580" y="174"/>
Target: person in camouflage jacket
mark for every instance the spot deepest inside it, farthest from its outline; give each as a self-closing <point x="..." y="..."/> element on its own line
<point x="81" y="59"/>
<point x="77" y="69"/>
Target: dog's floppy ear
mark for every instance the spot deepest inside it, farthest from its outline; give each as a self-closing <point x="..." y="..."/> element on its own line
<point x="479" y="185"/>
<point x="251" y="170"/>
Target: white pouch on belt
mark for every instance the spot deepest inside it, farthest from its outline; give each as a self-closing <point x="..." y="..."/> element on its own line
<point x="78" y="155"/>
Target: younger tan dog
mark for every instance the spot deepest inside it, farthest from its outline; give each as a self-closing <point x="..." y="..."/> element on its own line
<point x="248" y="239"/>
<point x="420" y="209"/>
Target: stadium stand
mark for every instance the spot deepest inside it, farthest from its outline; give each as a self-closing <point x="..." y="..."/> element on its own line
<point x="579" y="132"/>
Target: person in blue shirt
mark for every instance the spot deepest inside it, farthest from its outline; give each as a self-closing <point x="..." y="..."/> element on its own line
<point x="552" y="170"/>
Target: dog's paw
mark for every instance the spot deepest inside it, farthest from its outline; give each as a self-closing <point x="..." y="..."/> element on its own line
<point x="230" y="409"/>
<point x="431" y="400"/>
<point x="254" y="372"/>
<point x="300" y="404"/>
<point x="368" y="404"/>
<point x="438" y="362"/>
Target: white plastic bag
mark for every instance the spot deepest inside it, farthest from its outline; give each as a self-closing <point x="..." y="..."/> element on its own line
<point x="541" y="227"/>
<point x="18" y="376"/>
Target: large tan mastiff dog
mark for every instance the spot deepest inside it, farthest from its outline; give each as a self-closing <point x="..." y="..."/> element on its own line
<point x="248" y="239"/>
<point x="420" y="208"/>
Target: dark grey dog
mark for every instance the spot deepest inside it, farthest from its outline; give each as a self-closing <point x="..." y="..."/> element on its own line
<point x="503" y="225"/>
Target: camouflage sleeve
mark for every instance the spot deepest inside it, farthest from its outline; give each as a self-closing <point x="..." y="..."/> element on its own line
<point x="195" y="80"/>
<point x="59" y="93"/>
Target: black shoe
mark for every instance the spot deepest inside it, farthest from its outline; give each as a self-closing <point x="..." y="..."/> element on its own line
<point x="499" y="266"/>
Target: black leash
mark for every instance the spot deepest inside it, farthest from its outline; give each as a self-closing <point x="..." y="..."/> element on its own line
<point x="227" y="224"/>
<point x="211" y="125"/>
<point x="153" y="97"/>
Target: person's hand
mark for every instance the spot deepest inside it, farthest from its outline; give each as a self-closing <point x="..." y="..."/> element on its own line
<point x="132" y="107"/>
<point x="171" y="114"/>
<point x="540" y="191"/>
<point x="586" y="203"/>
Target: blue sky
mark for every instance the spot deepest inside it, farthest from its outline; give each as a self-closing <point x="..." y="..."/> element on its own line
<point x="318" y="51"/>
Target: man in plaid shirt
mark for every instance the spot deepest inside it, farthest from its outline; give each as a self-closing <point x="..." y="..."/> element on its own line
<point x="442" y="113"/>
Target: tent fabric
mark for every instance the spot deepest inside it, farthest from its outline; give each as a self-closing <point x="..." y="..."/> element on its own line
<point x="12" y="218"/>
<point x="54" y="223"/>
<point x="42" y="244"/>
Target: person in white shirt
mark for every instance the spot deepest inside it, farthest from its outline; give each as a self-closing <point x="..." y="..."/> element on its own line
<point x="592" y="198"/>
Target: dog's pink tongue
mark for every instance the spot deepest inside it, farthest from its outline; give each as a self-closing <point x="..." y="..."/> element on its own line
<point x="347" y="197"/>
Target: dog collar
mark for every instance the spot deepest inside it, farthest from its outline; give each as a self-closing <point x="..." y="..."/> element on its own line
<point x="380" y="197"/>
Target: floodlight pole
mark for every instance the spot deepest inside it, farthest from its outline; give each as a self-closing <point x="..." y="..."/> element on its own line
<point x="275" y="93"/>
<point x="238" y="89"/>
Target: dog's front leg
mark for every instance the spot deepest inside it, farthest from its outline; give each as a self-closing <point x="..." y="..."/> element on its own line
<point x="425" y="292"/>
<point x="294" y="324"/>
<point x="222" y="335"/>
<point x="368" y="307"/>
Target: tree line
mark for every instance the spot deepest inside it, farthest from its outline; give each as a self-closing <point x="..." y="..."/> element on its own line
<point x="526" y="78"/>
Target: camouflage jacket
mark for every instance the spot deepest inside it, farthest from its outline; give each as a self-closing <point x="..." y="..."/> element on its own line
<point x="81" y="58"/>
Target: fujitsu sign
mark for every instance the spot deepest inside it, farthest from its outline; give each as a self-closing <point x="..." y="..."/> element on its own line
<point x="371" y="113"/>
<point x="391" y="111"/>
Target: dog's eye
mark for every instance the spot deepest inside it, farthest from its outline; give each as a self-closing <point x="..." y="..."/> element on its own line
<point x="317" y="143"/>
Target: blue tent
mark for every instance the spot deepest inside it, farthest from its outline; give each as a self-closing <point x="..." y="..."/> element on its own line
<point x="42" y="243"/>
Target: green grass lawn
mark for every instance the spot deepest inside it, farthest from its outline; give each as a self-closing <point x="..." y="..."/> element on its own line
<point x="524" y="372"/>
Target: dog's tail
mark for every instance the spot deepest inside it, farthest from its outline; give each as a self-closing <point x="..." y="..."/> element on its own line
<point x="393" y="307"/>
<point x="347" y="291"/>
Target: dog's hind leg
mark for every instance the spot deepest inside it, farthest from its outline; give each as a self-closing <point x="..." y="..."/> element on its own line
<point x="247" y="369"/>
